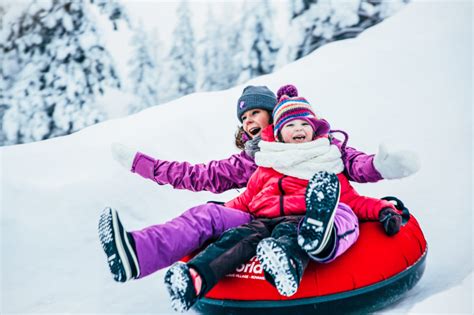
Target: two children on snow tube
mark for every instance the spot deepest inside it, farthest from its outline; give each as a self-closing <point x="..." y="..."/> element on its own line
<point x="297" y="207"/>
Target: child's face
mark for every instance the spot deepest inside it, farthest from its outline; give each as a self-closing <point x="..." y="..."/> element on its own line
<point x="297" y="131"/>
<point x="254" y="121"/>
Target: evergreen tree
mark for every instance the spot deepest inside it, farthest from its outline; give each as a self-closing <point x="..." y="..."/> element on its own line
<point x="3" y="11"/>
<point x="145" y="73"/>
<point x="63" y="66"/>
<point x="4" y="81"/>
<point x="114" y="11"/>
<point x="214" y="51"/>
<point x="180" y="71"/>
<point x="315" y="23"/>
<point x="210" y="55"/>
<point x="222" y="56"/>
<point x="260" y="44"/>
<point x="10" y="65"/>
<point x="231" y="61"/>
<point x="381" y="9"/>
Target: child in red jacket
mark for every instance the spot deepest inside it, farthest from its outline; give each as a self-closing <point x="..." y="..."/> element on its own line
<point x="279" y="195"/>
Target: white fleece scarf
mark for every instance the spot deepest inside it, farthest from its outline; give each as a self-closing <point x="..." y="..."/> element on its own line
<point x="300" y="160"/>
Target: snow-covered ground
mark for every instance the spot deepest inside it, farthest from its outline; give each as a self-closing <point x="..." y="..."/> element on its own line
<point x="406" y="82"/>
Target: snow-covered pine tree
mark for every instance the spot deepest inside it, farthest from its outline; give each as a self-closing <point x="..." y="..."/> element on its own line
<point x="222" y="55"/>
<point x="64" y="66"/>
<point x="114" y="11"/>
<point x="9" y="69"/>
<point x="317" y="22"/>
<point x="211" y="79"/>
<point x="2" y="13"/>
<point x="144" y="73"/>
<point x="380" y="9"/>
<point x="3" y="81"/>
<point x="259" y="41"/>
<point x="234" y="53"/>
<point x="180" y="70"/>
<point x="216" y="58"/>
<point x="370" y="12"/>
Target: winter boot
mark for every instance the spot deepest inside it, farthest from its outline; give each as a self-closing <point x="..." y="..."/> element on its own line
<point x="118" y="245"/>
<point x="179" y="282"/>
<point x="322" y="198"/>
<point x="276" y="262"/>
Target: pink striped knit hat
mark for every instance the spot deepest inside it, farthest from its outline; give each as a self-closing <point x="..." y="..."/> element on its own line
<point x="291" y="107"/>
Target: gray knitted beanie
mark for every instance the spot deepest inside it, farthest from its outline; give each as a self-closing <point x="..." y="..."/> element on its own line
<point x="255" y="97"/>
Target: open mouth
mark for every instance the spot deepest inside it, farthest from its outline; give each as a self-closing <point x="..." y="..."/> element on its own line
<point x="254" y="131"/>
<point x="299" y="138"/>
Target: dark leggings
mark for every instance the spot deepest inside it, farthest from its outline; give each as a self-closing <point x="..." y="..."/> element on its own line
<point x="236" y="246"/>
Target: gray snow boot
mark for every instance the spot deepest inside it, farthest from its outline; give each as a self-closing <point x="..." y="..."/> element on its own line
<point x="322" y="198"/>
<point x="119" y="246"/>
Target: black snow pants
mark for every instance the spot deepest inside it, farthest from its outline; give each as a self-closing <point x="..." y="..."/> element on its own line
<point x="236" y="246"/>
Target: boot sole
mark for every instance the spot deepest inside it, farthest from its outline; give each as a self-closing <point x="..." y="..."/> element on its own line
<point x="322" y="197"/>
<point x="177" y="282"/>
<point x="274" y="260"/>
<point x="116" y="246"/>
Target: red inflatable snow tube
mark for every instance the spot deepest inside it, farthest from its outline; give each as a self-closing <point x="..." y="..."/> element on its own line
<point x="376" y="271"/>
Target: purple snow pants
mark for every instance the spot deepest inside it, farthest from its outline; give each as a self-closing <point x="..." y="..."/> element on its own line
<point x="161" y="245"/>
<point x="346" y="231"/>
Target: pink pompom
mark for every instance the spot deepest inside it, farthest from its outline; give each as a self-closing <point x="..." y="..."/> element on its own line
<point x="289" y="90"/>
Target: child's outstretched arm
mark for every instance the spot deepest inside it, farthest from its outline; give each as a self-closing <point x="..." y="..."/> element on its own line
<point x="365" y="208"/>
<point x="370" y="209"/>
<point x="215" y="176"/>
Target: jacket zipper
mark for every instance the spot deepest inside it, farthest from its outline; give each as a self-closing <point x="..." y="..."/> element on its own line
<point x="280" y="186"/>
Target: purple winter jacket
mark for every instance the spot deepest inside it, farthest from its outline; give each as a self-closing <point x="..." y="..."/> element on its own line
<point x="235" y="171"/>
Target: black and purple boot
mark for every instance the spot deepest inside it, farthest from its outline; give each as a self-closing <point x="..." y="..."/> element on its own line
<point x="118" y="245"/>
<point x="322" y="198"/>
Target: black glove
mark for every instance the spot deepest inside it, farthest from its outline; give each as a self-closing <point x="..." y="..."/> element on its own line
<point x="391" y="221"/>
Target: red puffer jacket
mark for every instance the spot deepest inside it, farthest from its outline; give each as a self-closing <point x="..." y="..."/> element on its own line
<point x="271" y="194"/>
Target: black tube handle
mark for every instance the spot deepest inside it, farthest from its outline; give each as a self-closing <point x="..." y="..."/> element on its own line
<point x="400" y="206"/>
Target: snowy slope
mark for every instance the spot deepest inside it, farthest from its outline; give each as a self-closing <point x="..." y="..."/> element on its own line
<point x="406" y="82"/>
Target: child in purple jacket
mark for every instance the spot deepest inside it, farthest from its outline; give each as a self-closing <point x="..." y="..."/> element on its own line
<point x="133" y="255"/>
